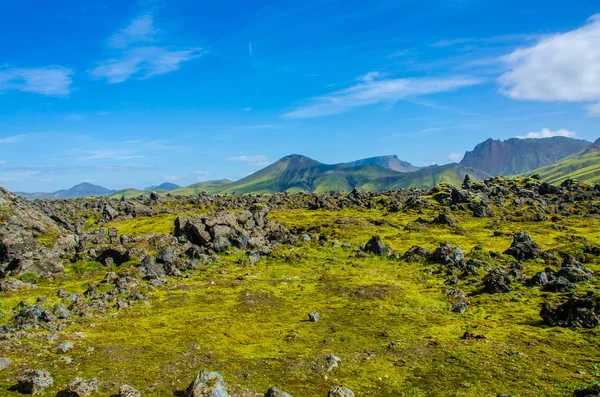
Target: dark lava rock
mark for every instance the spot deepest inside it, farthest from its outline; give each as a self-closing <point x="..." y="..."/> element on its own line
<point x="453" y="257"/>
<point x="523" y="247"/>
<point x="416" y="254"/>
<point x="375" y="246"/>
<point x="574" y="271"/>
<point x="165" y="256"/>
<point x="275" y="392"/>
<point x="542" y="278"/>
<point x="460" y="307"/>
<point x="497" y="281"/>
<point x="34" y="381"/>
<point x="221" y="244"/>
<point x="444" y="220"/>
<point x="574" y="312"/>
<point x="207" y="384"/>
<point x="340" y="391"/>
<point x="590" y="391"/>
<point x="80" y="387"/>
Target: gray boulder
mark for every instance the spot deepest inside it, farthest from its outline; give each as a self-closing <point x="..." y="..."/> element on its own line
<point x="275" y="392"/>
<point x="340" y="391"/>
<point x="34" y="381"/>
<point x="4" y="363"/>
<point x="128" y="391"/>
<point x="80" y="387"/>
<point x="207" y="384"/>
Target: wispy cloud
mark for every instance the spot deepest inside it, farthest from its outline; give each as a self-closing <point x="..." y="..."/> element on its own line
<point x="594" y="110"/>
<point x="134" y="56"/>
<point x="110" y="154"/>
<point x="15" y="138"/>
<point x="371" y="92"/>
<point x="547" y="133"/>
<point x="561" y="67"/>
<point x="50" y="80"/>
<point x="257" y="161"/>
<point x="140" y="30"/>
<point x="202" y="175"/>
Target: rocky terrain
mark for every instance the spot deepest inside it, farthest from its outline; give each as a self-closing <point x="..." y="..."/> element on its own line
<point x="485" y="289"/>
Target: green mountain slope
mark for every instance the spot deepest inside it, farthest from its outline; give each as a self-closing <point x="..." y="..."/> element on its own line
<point x="584" y="166"/>
<point x="297" y="173"/>
<point x="78" y="191"/>
<point x="211" y="187"/>
<point x="429" y="177"/>
<point x="516" y="156"/>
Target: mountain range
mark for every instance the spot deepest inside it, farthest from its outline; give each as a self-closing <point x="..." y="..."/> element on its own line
<point x="553" y="159"/>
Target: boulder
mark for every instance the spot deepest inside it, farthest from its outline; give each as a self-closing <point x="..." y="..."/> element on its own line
<point x="574" y="271"/>
<point x="165" y="256"/>
<point x="497" y="281"/>
<point x="11" y="284"/>
<point x="340" y="391"/>
<point x="34" y="381"/>
<point x="590" y="391"/>
<point x="443" y="220"/>
<point x="207" y="384"/>
<point x="80" y="387"/>
<point x="375" y="246"/>
<point x="572" y="313"/>
<point x="275" y="392"/>
<point x="128" y="391"/>
<point x="523" y="247"/>
<point x="4" y="363"/>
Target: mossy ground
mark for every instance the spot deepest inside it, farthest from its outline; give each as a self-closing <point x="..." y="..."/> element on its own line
<point x="388" y="320"/>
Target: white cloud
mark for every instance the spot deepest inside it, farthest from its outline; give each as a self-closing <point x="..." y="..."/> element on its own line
<point x="140" y="30"/>
<point x="257" y="161"/>
<point x="135" y="57"/>
<point x="455" y="156"/>
<point x="14" y="138"/>
<point x="560" y="67"/>
<point x="371" y="92"/>
<point x="51" y="80"/>
<point x="547" y="133"/>
<point x="202" y="175"/>
<point x="143" y="62"/>
<point x="594" y="110"/>
<point x="110" y="154"/>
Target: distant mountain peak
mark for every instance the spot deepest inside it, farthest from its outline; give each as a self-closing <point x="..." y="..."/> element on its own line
<point x="515" y="156"/>
<point x="163" y="186"/>
<point x="391" y="162"/>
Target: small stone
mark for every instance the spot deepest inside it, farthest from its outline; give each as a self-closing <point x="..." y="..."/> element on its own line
<point x="332" y="362"/>
<point x="314" y="317"/>
<point x="207" y="384"/>
<point x="4" y="363"/>
<point x="64" y="347"/>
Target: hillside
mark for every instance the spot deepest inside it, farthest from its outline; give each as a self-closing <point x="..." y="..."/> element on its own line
<point x="211" y="187"/>
<point x="584" y="166"/>
<point x="390" y="162"/>
<point x="167" y="186"/>
<point x="78" y="191"/>
<point x="299" y="173"/>
<point x="428" y="177"/>
<point x="516" y="156"/>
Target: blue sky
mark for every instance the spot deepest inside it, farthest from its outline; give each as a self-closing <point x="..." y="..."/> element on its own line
<point x="134" y="93"/>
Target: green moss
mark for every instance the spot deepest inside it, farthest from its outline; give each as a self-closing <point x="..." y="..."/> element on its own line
<point x="388" y="320"/>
